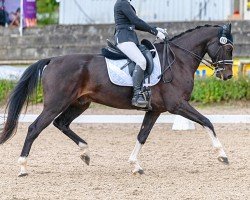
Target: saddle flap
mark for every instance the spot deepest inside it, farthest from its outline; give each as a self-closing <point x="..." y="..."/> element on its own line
<point x="149" y="46"/>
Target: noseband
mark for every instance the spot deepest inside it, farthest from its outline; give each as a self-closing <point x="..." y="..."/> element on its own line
<point x="219" y="65"/>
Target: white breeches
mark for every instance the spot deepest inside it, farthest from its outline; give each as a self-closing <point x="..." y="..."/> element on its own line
<point x="133" y="52"/>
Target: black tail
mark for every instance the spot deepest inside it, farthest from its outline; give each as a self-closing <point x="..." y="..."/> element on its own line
<point x="21" y="94"/>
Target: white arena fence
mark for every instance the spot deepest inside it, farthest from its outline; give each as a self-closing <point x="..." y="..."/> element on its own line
<point x="179" y="123"/>
<point x="11" y="73"/>
<point x="134" y="119"/>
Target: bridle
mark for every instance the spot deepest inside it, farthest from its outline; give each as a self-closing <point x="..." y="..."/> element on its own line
<point x="218" y="66"/>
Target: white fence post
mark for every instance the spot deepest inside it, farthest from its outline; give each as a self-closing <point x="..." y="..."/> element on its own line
<point x="181" y="123"/>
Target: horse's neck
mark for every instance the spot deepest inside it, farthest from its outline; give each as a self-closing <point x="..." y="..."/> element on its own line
<point x="196" y="42"/>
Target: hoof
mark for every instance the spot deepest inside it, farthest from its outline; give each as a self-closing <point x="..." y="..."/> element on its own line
<point x="85" y="158"/>
<point x="224" y="160"/>
<point x="22" y="174"/>
<point x="140" y="171"/>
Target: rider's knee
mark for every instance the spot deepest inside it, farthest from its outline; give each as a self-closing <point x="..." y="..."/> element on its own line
<point x="142" y="62"/>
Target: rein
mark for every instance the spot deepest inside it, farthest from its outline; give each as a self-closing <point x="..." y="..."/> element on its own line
<point x="212" y="65"/>
<point x="169" y="67"/>
<point x="195" y="55"/>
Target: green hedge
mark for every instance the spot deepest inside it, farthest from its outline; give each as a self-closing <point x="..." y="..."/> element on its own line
<point x="212" y="90"/>
<point x="7" y="86"/>
<point x="47" y="12"/>
<point x="206" y="91"/>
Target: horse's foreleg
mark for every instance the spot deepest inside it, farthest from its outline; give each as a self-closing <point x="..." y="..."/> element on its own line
<point x="63" y="121"/>
<point x="148" y="122"/>
<point x="133" y="158"/>
<point x="187" y="111"/>
<point x="43" y="120"/>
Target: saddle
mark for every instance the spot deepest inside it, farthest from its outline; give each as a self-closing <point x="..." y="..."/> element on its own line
<point x="148" y="50"/>
<point x="146" y="47"/>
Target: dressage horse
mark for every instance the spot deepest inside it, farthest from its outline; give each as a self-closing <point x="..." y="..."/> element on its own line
<point x="72" y="82"/>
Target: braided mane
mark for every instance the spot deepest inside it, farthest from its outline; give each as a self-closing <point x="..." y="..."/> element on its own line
<point x="191" y="30"/>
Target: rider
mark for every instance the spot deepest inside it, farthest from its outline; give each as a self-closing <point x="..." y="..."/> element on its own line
<point x="126" y="22"/>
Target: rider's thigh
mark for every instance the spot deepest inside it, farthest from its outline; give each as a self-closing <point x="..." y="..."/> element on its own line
<point x="133" y="52"/>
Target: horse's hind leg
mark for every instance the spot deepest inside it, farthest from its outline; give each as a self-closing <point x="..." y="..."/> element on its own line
<point x="187" y="111"/>
<point x="63" y="121"/>
<point x="43" y="120"/>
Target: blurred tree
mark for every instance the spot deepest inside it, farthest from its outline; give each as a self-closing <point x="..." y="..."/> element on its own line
<point x="47" y="12"/>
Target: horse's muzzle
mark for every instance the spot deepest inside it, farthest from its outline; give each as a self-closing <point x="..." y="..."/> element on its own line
<point x="223" y="76"/>
<point x="227" y="77"/>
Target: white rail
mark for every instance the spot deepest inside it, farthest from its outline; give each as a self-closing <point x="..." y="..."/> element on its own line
<point x="134" y="119"/>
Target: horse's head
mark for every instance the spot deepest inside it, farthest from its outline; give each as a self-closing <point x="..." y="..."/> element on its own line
<point x="220" y="50"/>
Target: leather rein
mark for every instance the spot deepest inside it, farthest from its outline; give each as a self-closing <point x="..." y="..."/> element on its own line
<point x="217" y="66"/>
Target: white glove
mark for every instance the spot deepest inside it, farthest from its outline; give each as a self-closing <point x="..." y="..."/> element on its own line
<point x="162" y="30"/>
<point x="161" y="35"/>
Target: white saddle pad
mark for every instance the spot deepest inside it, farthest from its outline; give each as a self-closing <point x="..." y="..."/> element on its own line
<point x="123" y="78"/>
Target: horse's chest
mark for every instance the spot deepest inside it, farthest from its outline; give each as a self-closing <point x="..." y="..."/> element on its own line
<point x="188" y="85"/>
<point x="184" y="87"/>
<point x="187" y="89"/>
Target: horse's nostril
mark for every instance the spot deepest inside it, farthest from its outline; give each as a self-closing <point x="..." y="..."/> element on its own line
<point x="230" y="76"/>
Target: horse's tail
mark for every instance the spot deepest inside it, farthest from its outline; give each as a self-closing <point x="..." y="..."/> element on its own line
<point x="21" y="94"/>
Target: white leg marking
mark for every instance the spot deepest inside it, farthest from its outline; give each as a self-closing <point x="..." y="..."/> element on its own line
<point x="216" y="143"/>
<point x="22" y="161"/>
<point x="133" y="157"/>
<point x="85" y="152"/>
<point x="82" y="145"/>
<point x="84" y="148"/>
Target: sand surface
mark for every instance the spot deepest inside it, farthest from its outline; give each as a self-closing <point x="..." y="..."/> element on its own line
<point x="178" y="164"/>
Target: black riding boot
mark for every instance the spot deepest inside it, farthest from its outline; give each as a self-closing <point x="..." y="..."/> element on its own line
<point x="138" y="99"/>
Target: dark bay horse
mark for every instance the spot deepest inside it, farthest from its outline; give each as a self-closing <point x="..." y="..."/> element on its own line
<point x="72" y="82"/>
